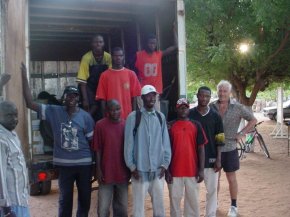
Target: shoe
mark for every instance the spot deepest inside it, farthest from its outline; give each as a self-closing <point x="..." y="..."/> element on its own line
<point x="233" y="212"/>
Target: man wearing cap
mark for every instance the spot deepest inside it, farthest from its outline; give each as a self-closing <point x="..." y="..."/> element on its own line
<point x="72" y="131"/>
<point x="186" y="169"/>
<point x="147" y="153"/>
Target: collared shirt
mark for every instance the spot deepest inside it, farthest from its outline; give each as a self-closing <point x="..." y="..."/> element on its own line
<point x="231" y="122"/>
<point x="150" y="148"/>
<point x="13" y="170"/>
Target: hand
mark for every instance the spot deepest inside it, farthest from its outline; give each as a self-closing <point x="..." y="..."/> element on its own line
<point x="99" y="176"/>
<point x="4" y="79"/>
<point x="168" y="177"/>
<point x="239" y="137"/>
<point x="162" y="172"/>
<point x="217" y="165"/>
<point x="86" y="106"/>
<point x="200" y="176"/>
<point x="135" y="174"/>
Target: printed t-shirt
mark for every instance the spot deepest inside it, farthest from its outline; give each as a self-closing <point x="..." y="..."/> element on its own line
<point x="150" y="69"/>
<point x="89" y="60"/>
<point x="109" y="141"/>
<point x="120" y="85"/>
<point x="71" y="135"/>
<point x="212" y="125"/>
<point x="185" y="137"/>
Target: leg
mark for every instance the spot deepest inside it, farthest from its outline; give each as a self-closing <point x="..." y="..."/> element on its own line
<point x="120" y="200"/>
<point x="84" y="186"/>
<point x="210" y="181"/>
<point x="233" y="184"/>
<point x="175" y="195"/>
<point x="139" y="189"/>
<point x="191" y="197"/>
<point x="105" y="194"/>
<point x="66" y="183"/>
<point x="156" y="192"/>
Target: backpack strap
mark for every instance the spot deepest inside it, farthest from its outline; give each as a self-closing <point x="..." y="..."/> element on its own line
<point x="138" y="120"/>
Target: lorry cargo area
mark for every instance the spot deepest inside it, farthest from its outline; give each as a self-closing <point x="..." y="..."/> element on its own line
<point x="59" y="34"/>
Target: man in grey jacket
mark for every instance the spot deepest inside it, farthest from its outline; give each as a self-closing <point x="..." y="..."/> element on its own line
<point x="147" y="153"/>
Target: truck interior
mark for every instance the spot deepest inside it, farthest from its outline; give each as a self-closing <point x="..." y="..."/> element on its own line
<point x="60" y="32"/>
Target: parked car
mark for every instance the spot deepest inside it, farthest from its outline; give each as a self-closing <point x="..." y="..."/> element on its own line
<point x="271" y="112"/>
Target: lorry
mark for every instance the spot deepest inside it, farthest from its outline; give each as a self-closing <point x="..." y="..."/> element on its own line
<point x="51" y="36"/>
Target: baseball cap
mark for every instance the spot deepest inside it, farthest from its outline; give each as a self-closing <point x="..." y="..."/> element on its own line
<point x="148" y="89"/>
<point x="71" y="89"/>
<point x="182" y="101"/>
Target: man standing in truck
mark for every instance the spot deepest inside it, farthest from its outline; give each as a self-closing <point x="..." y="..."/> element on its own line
<point x="13" y="171"/>
<point x="93" y="63"/>
<point x="72" y="130"/>
<point x="119" y="83"/>
<point x="148" y="64"/>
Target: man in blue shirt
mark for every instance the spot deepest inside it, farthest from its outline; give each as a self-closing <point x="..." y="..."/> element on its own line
<point x="72" y="131"/>
<point x="147" y="154"/>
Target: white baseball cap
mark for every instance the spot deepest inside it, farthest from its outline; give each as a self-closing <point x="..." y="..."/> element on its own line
<point x="148" y="89"/>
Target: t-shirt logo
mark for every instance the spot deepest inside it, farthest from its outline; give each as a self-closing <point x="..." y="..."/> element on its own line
<point x="69" y="139"/>
<point x="150" y="69"/>
<point x="126" y="86"/>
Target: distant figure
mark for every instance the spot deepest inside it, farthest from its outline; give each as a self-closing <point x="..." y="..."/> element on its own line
<point x="92" y="65"/>
<point x="232" y="113"/>
<point x="119" y="83"/>
<point x="112" y="174"/>
<point x="186" y="168"/>
<point x="13" y="171"/>
<point x="148" y="64"/>
<point x="72" y="130"/>
<point x="147" y="153"/>
<point x="212" y="124"/>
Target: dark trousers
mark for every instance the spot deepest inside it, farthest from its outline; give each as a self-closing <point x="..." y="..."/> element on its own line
<point x="67" y="176"/>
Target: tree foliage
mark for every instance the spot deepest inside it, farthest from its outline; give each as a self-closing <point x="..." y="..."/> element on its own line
<point x="215" y="29"/>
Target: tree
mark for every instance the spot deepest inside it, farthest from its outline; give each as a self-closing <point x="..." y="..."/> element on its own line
<point x="216" y="29"/>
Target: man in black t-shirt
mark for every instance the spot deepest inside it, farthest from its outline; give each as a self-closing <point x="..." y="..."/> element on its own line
<point x="213" y="127"/>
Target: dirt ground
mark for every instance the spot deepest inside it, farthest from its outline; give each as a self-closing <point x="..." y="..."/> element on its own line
<point x="264" y="185"/>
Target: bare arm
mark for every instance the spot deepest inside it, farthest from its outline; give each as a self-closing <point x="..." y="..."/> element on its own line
<point x="134" y="103"/>
<point x="250" y="125"/>
<point x="85" y="101"/>
<point x="200" y="163"/>
<point x="103" y="107"/>
<point x="26" y="90"/>
<point x="174" y="47"/>
<point x="99" y="170"/>
<point x="217" y="165"/>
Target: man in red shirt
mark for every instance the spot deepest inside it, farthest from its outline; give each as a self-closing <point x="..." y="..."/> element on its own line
<point x="149" y="63"/>
<point x="186" y="169"/>
<point x="112" y="173"/>
<point x="119" y="83"/>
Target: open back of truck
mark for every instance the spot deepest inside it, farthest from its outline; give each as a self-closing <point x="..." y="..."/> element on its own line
<point x="58" y="33"/>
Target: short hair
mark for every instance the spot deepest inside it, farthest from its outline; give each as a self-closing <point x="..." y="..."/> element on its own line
<point x="97" y="35"/>
<point x="112" y="102"/>
<point x="151" y="36"/>
<point x="204" y="88"/>
<point x="117" y="49"/>
<point x="5" y="106"/>
<point x="224" y="83"/>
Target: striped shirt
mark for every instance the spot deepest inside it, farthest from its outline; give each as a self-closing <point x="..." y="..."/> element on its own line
<point x="13" y="171"/>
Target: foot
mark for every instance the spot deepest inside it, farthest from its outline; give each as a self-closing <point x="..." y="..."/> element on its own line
<point x="233" y="211"/>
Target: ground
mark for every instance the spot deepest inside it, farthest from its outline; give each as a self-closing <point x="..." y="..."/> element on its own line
<point x="264" y="185"/>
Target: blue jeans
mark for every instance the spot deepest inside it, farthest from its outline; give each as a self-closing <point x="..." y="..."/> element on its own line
<point x="20" y="211"/>
<point x="67" y="176"/>
<point x="118" y="194"/>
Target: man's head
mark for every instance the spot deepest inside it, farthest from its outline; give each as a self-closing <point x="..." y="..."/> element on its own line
<point x="224" y="89"/>
<point x="182" y="107"/>
<point x="8" y="115"/>
<point x="203" y="96"/>
<point x="151" y="43"/>
<point x="148" y="95"/>
<point x="97" y="43"/>
<point x="114" y="110"/>
<point x="71" y="96"/>
<point x="118" y="58"/>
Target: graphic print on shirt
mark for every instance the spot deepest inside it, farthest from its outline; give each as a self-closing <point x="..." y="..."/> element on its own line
<point x="69" y="139"/>
<point x="150" y="69"/>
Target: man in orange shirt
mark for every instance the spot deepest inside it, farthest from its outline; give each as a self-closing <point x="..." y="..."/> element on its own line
<point x="119" y="83"/>
<point x="149" y="63"/>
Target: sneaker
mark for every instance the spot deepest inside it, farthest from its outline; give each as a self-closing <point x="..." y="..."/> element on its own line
<point x="233" y="212"/>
